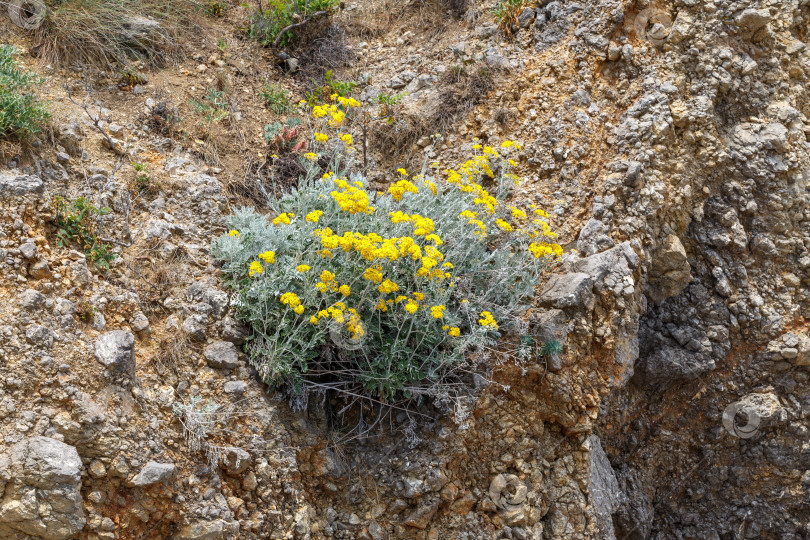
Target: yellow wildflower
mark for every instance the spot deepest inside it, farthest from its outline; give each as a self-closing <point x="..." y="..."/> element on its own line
<point x="437" y="312"/>
<point x="255" y="269"/>
<point x="314" y="216"/>
<point x="346" y="138"/>
<point x="454" y="332"/>
<point x="503" y="225"/>
<point x="268" y="257"/>
<point x="234" y="232"/>
<point x="345" y="290"/>
<point x="321" y="137"/>
<point x="302" y="268"/>
<point x="312" y="156"/>
<point x="388" y="286"/>
<point x="283" y="218"/>
<point x="487" y="321"/>
<point x="299" y="309"/>
<point x="411" y="306"/>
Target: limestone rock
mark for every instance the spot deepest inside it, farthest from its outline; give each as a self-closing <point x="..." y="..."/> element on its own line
<point x="217" y="529"/>
<point x="41" y="497"/>
<point x="116" y="351"/>
<point x="222" y="355"/>
<point x="154" y="473"/>
<point x="603" y="489"/>
<point x="668" y="364"/>
<point x="670" y="273"/>
<point x="12" y="185"/>
<point x="568" y="291"/>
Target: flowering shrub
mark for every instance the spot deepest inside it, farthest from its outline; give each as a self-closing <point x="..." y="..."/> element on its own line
<point x="379" y="295"/>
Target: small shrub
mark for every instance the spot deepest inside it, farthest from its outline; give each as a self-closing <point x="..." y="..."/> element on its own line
<point x="201" y="420"/>
<point x="216" y="9"/>
<point x="164" y="117"/>
<point x="506" y="15"/>
<point x="389" y="104"/>
<point x="275" y="98"/>
<point x="76" y="224"/>
<point x="143" y="182"/>
<point x="21" y="113"/>
<point x="266" y="25"/>
<point x="130" y="77"/>
<point x="214" y="106"/>
<point x="379" y="296"/>
<point x="86" y="312"/>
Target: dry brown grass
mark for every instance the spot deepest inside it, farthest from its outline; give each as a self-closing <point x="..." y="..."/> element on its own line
<point x="100" y="32"/>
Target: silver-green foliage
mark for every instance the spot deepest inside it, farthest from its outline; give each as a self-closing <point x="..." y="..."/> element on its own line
<point x="21" y="114"/>
<point x="400" y="356"/>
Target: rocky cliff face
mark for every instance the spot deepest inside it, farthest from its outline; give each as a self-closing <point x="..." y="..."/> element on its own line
<point x="675" y="139"/>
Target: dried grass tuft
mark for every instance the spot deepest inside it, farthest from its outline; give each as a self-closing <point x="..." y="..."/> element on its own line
<point x="105" y="32"/>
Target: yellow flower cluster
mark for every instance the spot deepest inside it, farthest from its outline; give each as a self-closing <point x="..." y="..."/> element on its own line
<point x="291" y="299"/>
<point x="422" y="226"/>
<point x="312" y="156"/>
<point x="234" y="233"/>
<point x="487" y="320"/>
<point x="351" y="199"/>
<point x="336" y="114"/>
<point x="268" y="257"/>
<point x="398" y="189"/>
<point x="303" y="268"/>
<point x="437" y="312"/>
<point x="283" y="218"/>
<point x="314" y="216"/>
<point x="503" y="225"/>
<point x="321" y="137"/>
<point x="452" y="332"/>
<point x="544" y="249"/>
<point x="255" y="269"/>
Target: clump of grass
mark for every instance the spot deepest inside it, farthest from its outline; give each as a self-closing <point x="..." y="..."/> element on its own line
<point x="111" y="33"/>
<point x="21" y="114"/>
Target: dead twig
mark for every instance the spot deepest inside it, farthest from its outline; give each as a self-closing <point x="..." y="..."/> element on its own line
<point x="95" y="119"/>
<point x="296" y="25"/>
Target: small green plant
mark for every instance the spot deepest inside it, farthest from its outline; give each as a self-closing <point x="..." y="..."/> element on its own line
<point x="76" y="223"/>
<point x="551" y="348"/>
<point x="388" y="105"/>
<point x="214" y="106"/>
<point x="275" y="98"/>
<point x="216" y="9"/>
<point x="143" y="182"/>
<point x="86" y="312"/>
<point x="283" y="137"/>
<point x="506" y="15"/>
<point x="21" y="113"/>
<point x="268" y="26"/>
<point x="130" y="77"/>
<point x="222" y="45"/>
